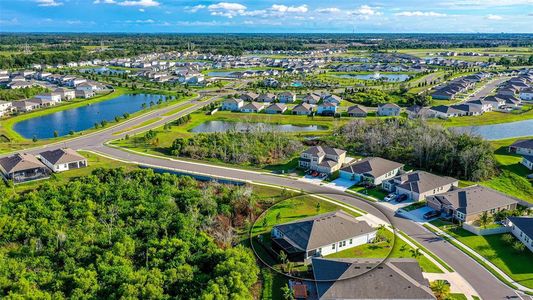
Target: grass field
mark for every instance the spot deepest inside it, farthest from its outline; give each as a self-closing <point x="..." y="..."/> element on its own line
<point x="400" y="249"/>
<point x="518" y="265"/>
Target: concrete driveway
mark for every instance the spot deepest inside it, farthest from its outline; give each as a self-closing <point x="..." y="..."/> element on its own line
<point x="340" y="184"/>
<point x="417" y="215"/>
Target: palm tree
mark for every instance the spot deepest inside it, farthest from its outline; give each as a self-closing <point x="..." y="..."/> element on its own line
<point x="441" y="289"/>
<point x="415" y="253"/>
<point x="287" y="293"/>
<point x="484" y="219"/>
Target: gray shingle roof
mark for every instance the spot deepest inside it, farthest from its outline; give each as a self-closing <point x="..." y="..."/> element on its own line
<point x="525" y="224"/>
<point x="375" y="166"/>
<point x="528" y="144"/>
<point x="421" y="182"/>
<point x="325" y="229"/>
<point x="394" y="278"/>
<point x="20" y="162"/>
<point x="62" y="156"/>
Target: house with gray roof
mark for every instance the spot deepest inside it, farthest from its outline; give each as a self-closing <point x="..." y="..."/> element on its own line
<point x="522" y="229"/>
<point x="370" y="278"/>
<point x="321" y="235"/>
<point x="232" y="104"/>
<point x="302" y="109"/>
<point x="418" y="185"/>
<point x="287" y="97"/>
<point x="23" y="167"/>
<point x="467" y="204"/>
<point x="522" y="147"/>
<point x="322" y="159"/>
<point x="266" y="97"/>
<point x="468" y="109"/>
<point x="444" y="111"/>
<point x="276" y="108"/>
<point x="311" y="98"/>
<point x="357" y="111"/>
<point x="249" y="96"/>
<point x="371" y="169"/>
<point x="60" y="160"/>
<point x="389" y="110"/>
<point x="252" y="107"/>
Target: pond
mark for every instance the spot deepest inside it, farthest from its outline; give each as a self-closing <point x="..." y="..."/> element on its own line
<point x="103" y="70"/>
<point x="499" y="131"/>
<point x="83" y="117"/>
<point x="385" y="77"/>
<point x="223" y="126"/>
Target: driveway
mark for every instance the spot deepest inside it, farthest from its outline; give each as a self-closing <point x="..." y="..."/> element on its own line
<point x="340" y="184"/>
<point x="457" y="283"/>
<point x="417" y="215"/>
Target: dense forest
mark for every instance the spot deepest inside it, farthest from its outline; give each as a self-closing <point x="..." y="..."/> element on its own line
<point x="257" y="146"/>
<point x="136" y="235"/>
<point x="420" y="145"/>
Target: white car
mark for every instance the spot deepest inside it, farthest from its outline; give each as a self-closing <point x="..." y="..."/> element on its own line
<point x="389" y="197"/>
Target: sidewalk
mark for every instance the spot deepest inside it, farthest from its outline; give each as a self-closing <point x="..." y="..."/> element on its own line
<point x="481" y="258"/>
<point x="457" y="283"/>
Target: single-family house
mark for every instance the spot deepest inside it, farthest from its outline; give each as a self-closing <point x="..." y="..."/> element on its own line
<point x="249" y="96"/>
<point x="232" y="104"/>
<point x="484" y="105"/>
<point x="54" y="97"/>
<point x="5" y="107"/>
<point x="495" y="101"/>
<point x="467" y="204"/>
<point x="327" y="109"/>
<point x="253" y="107"/>
<point x="60" y="160"/>
<point x="468" y="109"/>
<point x="266" y="97"/>
<point x="22" y="167"/>
<point x="43" y="102"/>
<point x="444" y="111"/>
<point x="321" y="235"/>
<point x="369" y="279"/>
<point x="25" y="105"/>
<point x="83" y="94"/>
<point x="66" y="94"/>
<point x="526" y="94"/>
<point x="322" y="159"/>
<point x="527" y="161"/>
<point x="419" y="184"/>
<point x="302" y="109"/>
<point x="311" y="98"/>
<point x="287" y="97"/>
<point x="357" y="111"/>
<point x="388" y="109"/>
<point x="276" y="108"/>
<point x="334" y="99"/>
<point x="522" y="147"/>
<point x="85" y="86"/>
<point x="522" y="229"/>
<point x="371" y="169"/>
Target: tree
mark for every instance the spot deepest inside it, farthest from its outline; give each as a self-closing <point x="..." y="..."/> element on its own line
<point x="518" y="246"/>
<point x="287" y="293"/>
<point x="484" y="219"/>
<point x="278" y="217"/>
<point x="440" y="288"/>
<point x="507" y="238"/>
<point x="265" y="222"/>
<point x="317" y="207"/>
<point x="416" y="253"/>
<point x="56" y="134"/>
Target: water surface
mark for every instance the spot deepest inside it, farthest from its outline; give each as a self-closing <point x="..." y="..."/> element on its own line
<point x="499" y="131"/>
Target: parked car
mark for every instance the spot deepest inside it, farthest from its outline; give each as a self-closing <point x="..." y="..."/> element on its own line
<point x="431" y="214"/>
<point x="389" y="197"/>
<point x="401" y="198"/>
<point x="314" y="174"/>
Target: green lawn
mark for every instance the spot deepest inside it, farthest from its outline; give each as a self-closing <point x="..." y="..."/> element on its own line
<point x="383" y="249"/>
<point x="145" y="123"/>
<point x="456" y="296"/>
<point x="94" y="162"/>
<point x="414" y="206"/>
<point x="518" y="265"/>
<point x="373" y="192"/>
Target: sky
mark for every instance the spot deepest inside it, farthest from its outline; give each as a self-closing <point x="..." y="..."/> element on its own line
<point x="262" y="16"/>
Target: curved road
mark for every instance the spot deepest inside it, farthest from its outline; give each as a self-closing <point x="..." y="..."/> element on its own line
<point x="488" y="286"/>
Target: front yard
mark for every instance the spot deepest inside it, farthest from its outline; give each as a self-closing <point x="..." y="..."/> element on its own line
<point x="517" y="264"/>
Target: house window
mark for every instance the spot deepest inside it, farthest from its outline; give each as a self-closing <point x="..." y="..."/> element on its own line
<point x="332" y="246"/>
<point x="350" y="241"/>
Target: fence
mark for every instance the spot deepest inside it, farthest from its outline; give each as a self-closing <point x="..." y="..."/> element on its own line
<point x="485" y="231"/>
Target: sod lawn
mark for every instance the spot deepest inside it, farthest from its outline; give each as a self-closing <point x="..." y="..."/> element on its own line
<point x="517" y="264"/>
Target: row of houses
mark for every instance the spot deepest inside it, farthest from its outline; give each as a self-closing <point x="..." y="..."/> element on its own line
<point x="23" y="167"/>
<point x="459" y="85"/>
<point x="441" y="192"/>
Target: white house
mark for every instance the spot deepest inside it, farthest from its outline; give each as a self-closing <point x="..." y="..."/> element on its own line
<point x="527" y="161"/>
<point x="388" y="109"/>
<point x="60" y="160"/>
<point x="5" y="107"/>
<point x="371" y="169"/>
<point x="287" y="97"/>
<point x="526" y="94"/>
<point x="85" y="86"/>
<point x="54" y="97"/>
<point x="253" y="107"/>
<point x="321" y="235"/>
<point x="522" y="228"/>
<point x="522" y="147"/>
<point x="66" y="94"/>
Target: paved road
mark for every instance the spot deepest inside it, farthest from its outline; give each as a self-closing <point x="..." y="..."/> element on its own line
<point x="485" y="283"/>
<point x="487" y="89"/>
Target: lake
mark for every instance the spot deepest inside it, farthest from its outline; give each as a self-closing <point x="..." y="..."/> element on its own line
<point x="499" y="131"/>
<point x="103" y="70"/>
<point x="386" y="77"/>
<point x="83" y="117"/>
<point x="223" y="126"/>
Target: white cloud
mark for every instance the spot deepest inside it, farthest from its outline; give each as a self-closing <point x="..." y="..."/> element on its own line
<point x="104" y="1"/>
<point x="329" y="10"/>
<point x="195" y="8"/>
<point x="365" y="12"/>
<point x="49" y="3"/>
<point x="12" y="21"/>
<point x="141" y="9"/>
<point x="148" y="21"/>
<point x="494" y="17"/>
<point x="227" y="9"/>
<point x="419" y="14"/>
<point x="480" y="4"/>
<point x="143" y="3"/>
<point x="290" y="9"/>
